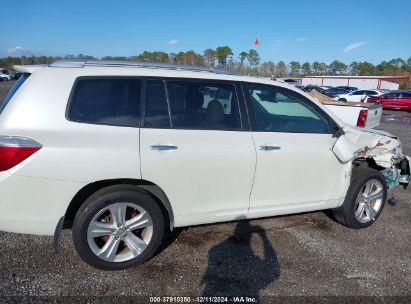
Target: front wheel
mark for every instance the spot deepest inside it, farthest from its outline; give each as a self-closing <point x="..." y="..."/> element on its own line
<point x="342" y="99"/>
<point x="365" y="199"/>
<point x="118" y="227"/>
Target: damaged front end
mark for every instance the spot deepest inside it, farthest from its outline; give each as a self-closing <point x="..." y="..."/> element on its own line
<point x="377" y="148"/>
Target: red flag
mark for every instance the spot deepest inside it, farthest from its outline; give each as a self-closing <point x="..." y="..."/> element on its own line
<point x="257" y="42"/>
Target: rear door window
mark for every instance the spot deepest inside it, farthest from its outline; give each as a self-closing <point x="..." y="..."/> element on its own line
<point x="191" y="104"/>
<point x="107" y="101"/>
<point x="203" y="105"/>
<point x="13" y="91"/>
<point x="156" y="107"/>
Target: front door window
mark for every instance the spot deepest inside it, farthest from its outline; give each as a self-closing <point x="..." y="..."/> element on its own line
<point x="277" y="109"/>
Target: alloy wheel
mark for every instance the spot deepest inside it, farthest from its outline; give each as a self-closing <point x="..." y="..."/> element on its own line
<point x="369" y="201"/>
<point x="120" y="232"/>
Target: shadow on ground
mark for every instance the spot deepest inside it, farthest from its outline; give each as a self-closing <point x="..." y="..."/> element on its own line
<point x="234" y="269"/>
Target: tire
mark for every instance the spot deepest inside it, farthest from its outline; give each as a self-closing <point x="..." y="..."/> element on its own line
<point x="97" y="228"/>
<point x="342" y="99"/>
<point x="355" y="212"/>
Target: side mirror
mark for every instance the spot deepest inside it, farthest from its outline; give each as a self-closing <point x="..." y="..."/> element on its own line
<point x="343" y="150"/>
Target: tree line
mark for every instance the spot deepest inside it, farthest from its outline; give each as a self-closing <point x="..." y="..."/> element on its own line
<point x="246" y="62"/>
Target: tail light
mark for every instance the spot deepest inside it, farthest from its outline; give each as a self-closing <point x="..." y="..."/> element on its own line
<point x="14" y="150"/>
<point x="362" y="118"/>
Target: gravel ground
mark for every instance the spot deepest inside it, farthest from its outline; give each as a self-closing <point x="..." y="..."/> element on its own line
<point x="298" y="255"/>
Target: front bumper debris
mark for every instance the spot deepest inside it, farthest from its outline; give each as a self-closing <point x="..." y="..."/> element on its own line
<point x="399" y="175"/>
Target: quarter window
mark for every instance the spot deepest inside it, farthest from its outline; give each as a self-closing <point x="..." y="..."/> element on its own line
<point x="280" y="110"/>
<point x="108" y="101"/>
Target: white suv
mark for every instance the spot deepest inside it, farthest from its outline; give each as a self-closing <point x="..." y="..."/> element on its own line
<point x="120" y="152"/>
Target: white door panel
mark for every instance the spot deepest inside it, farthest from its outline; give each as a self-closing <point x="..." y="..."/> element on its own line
<point x="295" y="169"/>
<point x="201" y="171"/>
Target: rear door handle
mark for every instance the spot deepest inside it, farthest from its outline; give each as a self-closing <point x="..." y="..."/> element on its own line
<point x="269" y="148"/>
<point x="163" y="147"/>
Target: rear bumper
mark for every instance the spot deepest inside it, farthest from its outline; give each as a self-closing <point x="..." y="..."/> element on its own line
<point x="33" y="205"/>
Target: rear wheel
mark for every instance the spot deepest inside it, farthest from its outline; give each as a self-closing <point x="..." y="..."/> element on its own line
<point x="365" y="199"/>
<point x="342" y="99"/>
<point x="118" y="227"/>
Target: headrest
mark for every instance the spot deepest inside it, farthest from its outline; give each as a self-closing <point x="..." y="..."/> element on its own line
<point x="215" y="111"/>
<point x="195" y="99"/>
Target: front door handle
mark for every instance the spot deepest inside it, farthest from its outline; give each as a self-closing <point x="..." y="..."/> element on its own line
<point x="269" y="148"/>
<point x="163" y="147"/>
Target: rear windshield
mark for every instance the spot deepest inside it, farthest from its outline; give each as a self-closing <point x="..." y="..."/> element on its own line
<point x="13" y="91"/>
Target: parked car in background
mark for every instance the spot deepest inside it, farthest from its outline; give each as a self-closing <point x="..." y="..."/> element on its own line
<point x="334" y="92"/>
<point x="291" y="81"/>
<point x="122" y="152"/>
<point x="5" y="75"/>
<point x="325" y="87"/>
<point x="368" y="115"/>
<point x="364" y="115"/>
<point x="397" y="100"/>
<point x="350" y="89"/>
<point x="359" y="96"/>
<point x="309" y="88"/>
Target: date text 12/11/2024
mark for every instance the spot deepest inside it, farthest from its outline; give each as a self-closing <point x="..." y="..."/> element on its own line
<point x="205" y="299"/>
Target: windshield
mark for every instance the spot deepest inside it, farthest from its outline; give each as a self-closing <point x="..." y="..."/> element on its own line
<point x="13" y="91"/>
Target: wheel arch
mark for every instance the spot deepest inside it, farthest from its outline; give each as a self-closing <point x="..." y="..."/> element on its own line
<point x="366" y="162"/>
<point x="151" y="188"/>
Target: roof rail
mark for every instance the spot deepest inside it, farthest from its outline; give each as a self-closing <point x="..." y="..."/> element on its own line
<point x="65" y="63"/>
<point x="68" y="63"/>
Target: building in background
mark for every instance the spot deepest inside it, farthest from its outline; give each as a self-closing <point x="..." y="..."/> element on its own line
<point x="361" y="82"/>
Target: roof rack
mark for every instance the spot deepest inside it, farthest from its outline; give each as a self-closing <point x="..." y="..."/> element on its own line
<point x="64" y="63"/>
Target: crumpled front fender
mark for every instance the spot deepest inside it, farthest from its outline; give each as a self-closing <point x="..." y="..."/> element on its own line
<point x="379" y="145"/>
